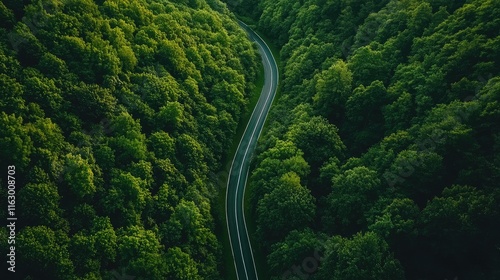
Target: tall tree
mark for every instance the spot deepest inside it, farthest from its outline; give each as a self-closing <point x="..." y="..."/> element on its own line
<point x="353" y="192"/>
<point x="289" y="206"/>
<point x="365" y="256"/>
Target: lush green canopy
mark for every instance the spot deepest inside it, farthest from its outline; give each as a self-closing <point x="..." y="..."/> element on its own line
<point x="393" y="105"/>
<point x="115" y="113"/>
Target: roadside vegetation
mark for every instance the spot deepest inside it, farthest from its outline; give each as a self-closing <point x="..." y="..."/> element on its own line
<point x="381" y="158"/>
<point x="117" y="115"/>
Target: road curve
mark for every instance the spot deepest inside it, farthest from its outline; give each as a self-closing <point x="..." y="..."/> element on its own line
<point x="236" y="225"/>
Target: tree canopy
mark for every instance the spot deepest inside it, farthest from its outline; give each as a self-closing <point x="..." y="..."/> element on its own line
<point x="393" y="106"/>
<point x="115" y="113"/>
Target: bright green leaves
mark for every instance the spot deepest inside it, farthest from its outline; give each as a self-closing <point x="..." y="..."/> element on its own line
<point x="105" y="240"/>
<point x="225" y="93"/>
<point x="162" y="144"/>
<point x="171" y="55"/>
<point x="180" y="265"/>
<point x="187" y="230"/>
<point x="171" y="116"/>
<point x="284" y="157"/>
<point x="333" y="88"/>
<point x="46" y="252"/>
<point x="116" y="112"/>
<point x="139" y="253"/>
<point x="48" y="141"/>
<point x="15" y="143"/>
<point x="40" y="204"/>
<point x="79" y="176"/>
<point x="154" y="90"/>
<point x="397" y="115"/>
<point x="184" y="225"/>
<point x="127" y="139"/>
<point x="279" y="16"/>
<point x="287" y="207"/>
<point x="12" y="91"/>
<point x="136" y="242"/>
<point x="190" y="155"/>
<point x="420" y="17"/>
<point x="318" y="139"/>
<point x="125" y="198"/>
<point x="44" y="92"/>
<point x="127" y="58"/>
<point x="367" y="65"/>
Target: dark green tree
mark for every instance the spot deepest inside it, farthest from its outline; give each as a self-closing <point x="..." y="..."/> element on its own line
<point x="289" y="206"/>
<point x="365" y="256"/>
<point x="353" y="192"/>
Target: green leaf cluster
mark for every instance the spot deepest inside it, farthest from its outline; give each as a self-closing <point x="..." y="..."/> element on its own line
<point x="115" y="114"/>
<point x="393" y="106"/>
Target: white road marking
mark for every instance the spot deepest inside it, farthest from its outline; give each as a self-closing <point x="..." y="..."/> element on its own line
<point x="241" y="166"/>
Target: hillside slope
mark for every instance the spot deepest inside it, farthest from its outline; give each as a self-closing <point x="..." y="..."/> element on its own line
<point x="381" y="158"/>
<point x="116" y="116"/>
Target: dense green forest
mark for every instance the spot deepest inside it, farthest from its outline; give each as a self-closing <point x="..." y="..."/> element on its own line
<point x="115" y="113"/>
<point x="381" y="159"/>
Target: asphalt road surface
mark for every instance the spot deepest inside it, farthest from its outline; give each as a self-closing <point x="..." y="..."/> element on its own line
<point x="236" y="225"/>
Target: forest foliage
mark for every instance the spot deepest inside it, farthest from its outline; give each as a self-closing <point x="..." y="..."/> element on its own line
<point x="116" y="115"/>
<point x="381" y="158"/>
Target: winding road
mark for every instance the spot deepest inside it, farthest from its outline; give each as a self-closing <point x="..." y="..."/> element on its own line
<point x="238" y="174"/>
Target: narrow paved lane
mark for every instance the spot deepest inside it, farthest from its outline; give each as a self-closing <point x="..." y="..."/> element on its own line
<point x="236" y="225"/>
